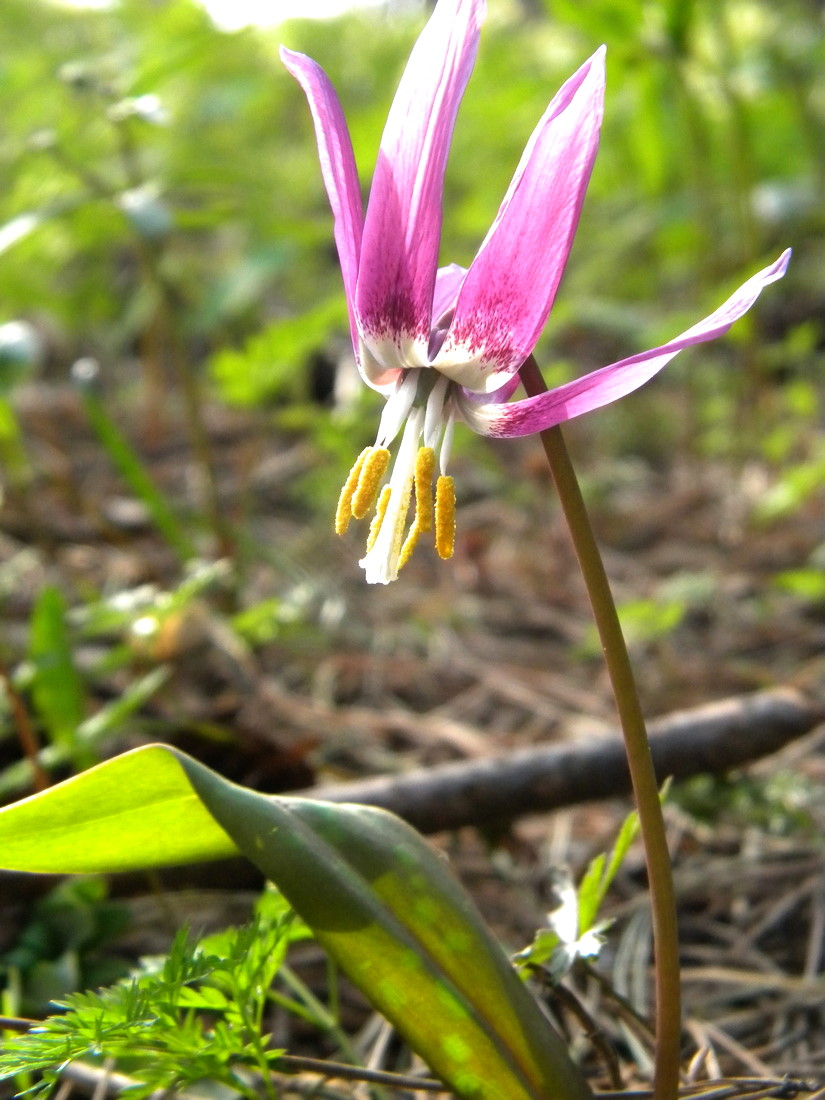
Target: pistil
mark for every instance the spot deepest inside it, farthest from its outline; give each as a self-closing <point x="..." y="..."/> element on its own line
<point x="381" y="561"/>
<point x="378" y="518"/>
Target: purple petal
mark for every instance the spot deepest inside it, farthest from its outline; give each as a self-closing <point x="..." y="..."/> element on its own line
<point x="610" y="383"/>
<point x="403" y="224"/>
<point x="447" y="285"/>
<point x="337" y="167"/>
<point x="511" y="284"/>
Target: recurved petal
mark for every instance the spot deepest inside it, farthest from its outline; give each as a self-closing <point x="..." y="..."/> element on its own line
<point x="599" y="388"/>
<point x="337" y="168"/>
<point x="402" y="229"/>
<point x="510" y="287"/>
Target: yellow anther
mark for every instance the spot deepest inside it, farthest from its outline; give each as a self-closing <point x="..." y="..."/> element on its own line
<point x="343" y="513"/>
<point x="445" y="516"/>
<point x="424" y="467"/>
<point x="378" y="518"/>
<point x="424" y="508"/>
<point x="410" y="543"/>
<point x="372" y="471"/>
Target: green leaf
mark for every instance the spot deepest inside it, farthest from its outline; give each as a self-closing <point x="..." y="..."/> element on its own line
<point x="154" y="1019"/>
<point x="600" y="874"/>
<point x="375" y="895"/>
<point x="807" y="583"/>
<point x="56" y="687"/>
<point x="132" y="812"/>
<point x="591" y="892"/>
<point x="573" y="931"/>
<point x="206" y="998"/>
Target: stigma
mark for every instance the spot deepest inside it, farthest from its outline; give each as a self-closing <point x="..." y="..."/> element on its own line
<point x="418" y="482"/>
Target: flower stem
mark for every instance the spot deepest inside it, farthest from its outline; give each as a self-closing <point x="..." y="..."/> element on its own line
<point x="640" y="761"/>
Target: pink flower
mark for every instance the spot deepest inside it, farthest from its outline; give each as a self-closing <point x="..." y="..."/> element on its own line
<point x="448" y="343"/>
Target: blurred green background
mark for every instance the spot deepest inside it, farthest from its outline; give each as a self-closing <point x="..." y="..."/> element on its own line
<point x="140" y="143"/>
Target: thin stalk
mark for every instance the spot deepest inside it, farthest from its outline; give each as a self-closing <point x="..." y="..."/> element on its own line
<point x="640" y="761"/>
<point x="25" y="731"/>
<point x="129" y="463"/>
<point x="169" y="306"/>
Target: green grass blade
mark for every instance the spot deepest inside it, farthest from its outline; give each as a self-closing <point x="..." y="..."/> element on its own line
<point x="89" y="735"/>
<point x="134" y="473"/>
<point x="56" y="687"/>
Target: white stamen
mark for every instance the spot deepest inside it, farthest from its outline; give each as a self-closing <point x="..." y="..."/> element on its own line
<point x="434" y="416"/>
<point x="380" y="564"/>
<point x="397" y="408"/>
<point x="447" y="441"/>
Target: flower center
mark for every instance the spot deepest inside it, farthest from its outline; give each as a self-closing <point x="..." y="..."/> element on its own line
<point x="423" y="406"/>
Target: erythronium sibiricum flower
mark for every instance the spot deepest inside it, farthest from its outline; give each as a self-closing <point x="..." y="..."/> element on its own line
<point x="447" y="343"/>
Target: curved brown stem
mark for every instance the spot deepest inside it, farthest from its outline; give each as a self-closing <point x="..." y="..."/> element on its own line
<point x="637" y="747"/>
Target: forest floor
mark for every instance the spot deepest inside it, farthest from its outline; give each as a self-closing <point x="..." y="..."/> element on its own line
<point x="461" y="661"/>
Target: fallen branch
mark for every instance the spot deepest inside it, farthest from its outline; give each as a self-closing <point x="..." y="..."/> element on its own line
<point x="711" y="738"/>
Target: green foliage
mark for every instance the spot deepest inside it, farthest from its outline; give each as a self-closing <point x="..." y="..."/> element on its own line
<point x="780" y="803"/>
<point x="807" y="583"/>
<point x="268" y="365"/>
<point x="133" y="629"/>
<point x="62" y="948"/>
<point x="163" y="191"/>
<point x="601" y="872"/>
<point x="195" y="1015"/>
<point x="275" y="617"/>
<point x="649" y="620"/>
<point x="376" y="897"/>
<point x="113" y="143"/>
<point x="646" y="620"/>
<point x="123" y="128"/>
<point x="793" y="487"/>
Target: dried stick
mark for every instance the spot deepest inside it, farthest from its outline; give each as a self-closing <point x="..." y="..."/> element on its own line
<point x="711" y="738"/>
